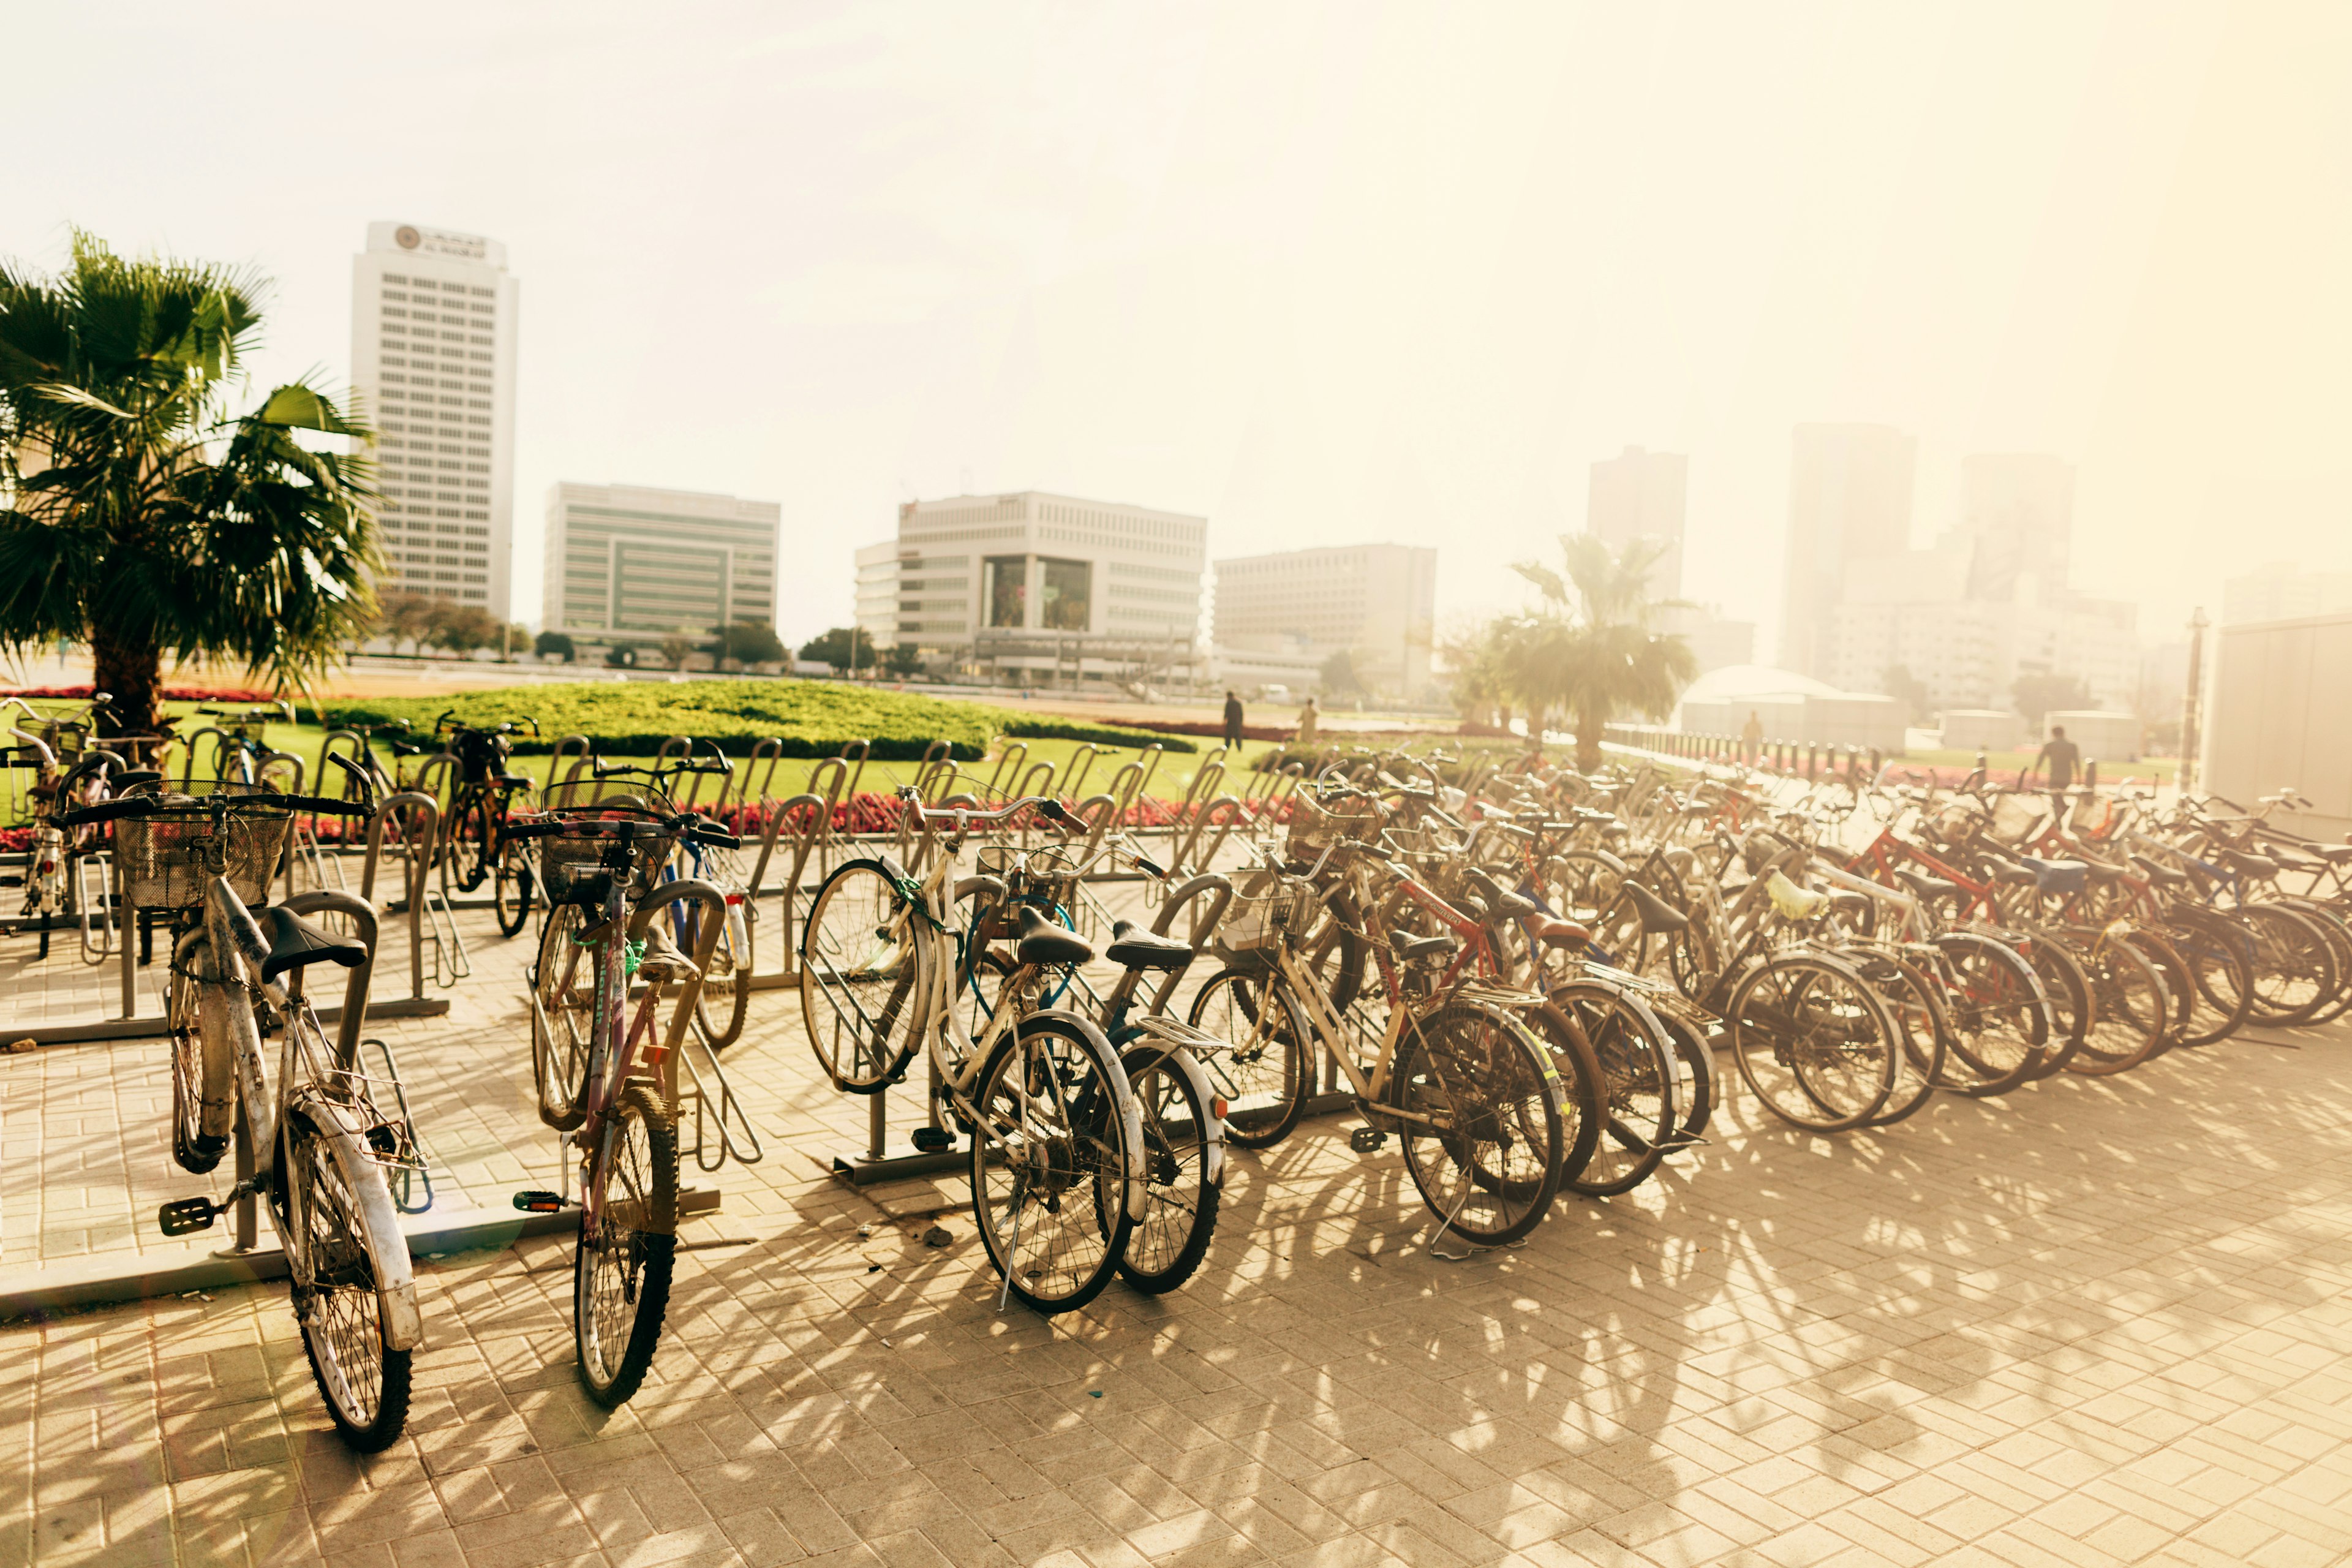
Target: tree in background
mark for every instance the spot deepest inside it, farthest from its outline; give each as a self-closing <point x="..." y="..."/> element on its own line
<point x="1338" y="677"/>
<point x="1473" y="655"/>
<point x="2047" y="693"/>
<point x="517" y="637"/>
<point x="677" y="647"/>
<point x="744" y="642"/>
<point x="620" y="655"/>
<point x="407" y="617"/>
<point x="903" y="660"/>
<point x="844" y="648"/>
<point x="462" y="628"/>
<point x="1590" y="652"/>
<point x="1910" y="690"/>
<point x="555" y="644"/>
<point x="138" y="513"/>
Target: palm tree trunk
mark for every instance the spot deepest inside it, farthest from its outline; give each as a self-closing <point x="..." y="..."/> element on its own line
<point x="1588" y="742"/>
<point x="131" y="669"/>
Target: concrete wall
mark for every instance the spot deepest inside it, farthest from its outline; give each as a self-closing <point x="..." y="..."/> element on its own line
<point x="2277" y="718"/>
<point x="1968" y="729"/>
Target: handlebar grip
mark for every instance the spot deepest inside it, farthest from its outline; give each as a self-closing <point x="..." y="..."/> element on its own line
<point x="1150" y="867"/>
<point x="317" y="804"/>
<point x="710" y="833"/>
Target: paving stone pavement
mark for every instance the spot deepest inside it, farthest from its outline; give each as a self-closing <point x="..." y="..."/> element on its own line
<point x="2092" y="1323"/>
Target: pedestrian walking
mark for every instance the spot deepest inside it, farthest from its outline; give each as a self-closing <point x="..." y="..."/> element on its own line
<point x="1232" y="722"/>
<point x="1307" y="717"/>
<point x="1752" y="737"/>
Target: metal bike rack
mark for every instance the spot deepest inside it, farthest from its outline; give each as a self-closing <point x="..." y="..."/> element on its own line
<point x="803" y="840"/>
<point x="416" y="839"/>
<point x="737" y="1141"/>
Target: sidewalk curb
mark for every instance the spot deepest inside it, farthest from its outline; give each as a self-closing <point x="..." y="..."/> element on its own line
<point x="41" y="1292"/>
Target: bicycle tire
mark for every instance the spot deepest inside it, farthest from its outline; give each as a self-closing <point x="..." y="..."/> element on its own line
<point x="1181" y="1194"/>
<point x="1639" y="1116"/>
<point x="1265" y="1073"/>
<point x="865" y="977"/>
<point x="2294" y="967"/>
<point x="1490" y="1166"/>
<point x="1581" y="1085"/>
<point x="2131" y="1009"/>
<point x="510" y="889"/>
<point x="365" y="1380"/>
<point x="2068" y="989"/>
<point x="1055" y="1255"/>
<point x="204" y="1076"/>
<point x="1913" y="1002"/>
<point x="465" y="856"/>
<point x="1698" y="1072"/>
<point x="622" y="1267"/>
<point x="1999" y="1016"/>
<point x="721" y="1007"/>
<point x="2331" y="924"/>
<point x="2179" y="985"/>
<point x="562" y="1019"/>
<point x="2218" y="954"/>
<point x="1821" y="1024"/>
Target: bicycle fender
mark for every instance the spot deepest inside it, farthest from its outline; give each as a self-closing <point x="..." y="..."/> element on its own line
<point x="1130" y="1114"/>
<point x="404" y="1321"/>
<point x="1212" y="1149"/>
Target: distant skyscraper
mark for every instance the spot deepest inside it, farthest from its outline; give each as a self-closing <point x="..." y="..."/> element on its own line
<point x="2018" y="510"/>
<point x="1639" y="495"/>
<point x="626" y="564"/>
<point x="433" y="358"/>
<point x="1848" y="499"/>
<point x="1376" y="603"/>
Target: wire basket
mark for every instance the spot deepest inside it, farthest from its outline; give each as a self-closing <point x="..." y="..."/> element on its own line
<point x="2014" y="814"/>
<point x="1316" y="825"/>
<point x="165" y="860"/>
<point x="572" y="864"/>
<point x="1258" y="921"/>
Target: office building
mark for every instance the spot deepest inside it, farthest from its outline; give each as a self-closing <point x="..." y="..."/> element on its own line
<point x="1848" y="499"/>
<point x="1640" y="495"/>
<point x="432" y="363"/>
<point x="630" y="564"/>
<point x="2284" y="591"/>
<point x="2017" y="512"/>
<point x="1038" y="589"/>
<point x="1376" y="603"/>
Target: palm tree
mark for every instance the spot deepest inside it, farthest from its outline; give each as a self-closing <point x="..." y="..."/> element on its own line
<point x="137" y="513"/>
<point x="1591" y="653"/>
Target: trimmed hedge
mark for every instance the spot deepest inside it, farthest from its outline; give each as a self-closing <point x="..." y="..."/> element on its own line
<point x="811" y="718"/>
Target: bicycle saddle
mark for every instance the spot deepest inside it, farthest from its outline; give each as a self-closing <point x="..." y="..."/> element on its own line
<point x="1044" y="943"/>
<point x="1132" y="947"/>
<point x="1657" y="914"/>
<point x="2162" y="876"/>
<point x="1506" y="904"/>
<point x="1408" y="947"/>
<point x="1562" y="933"/>
<point x="295" y="941"/>
<point x="514" y="781"/>
<point x="2056" y="876"/>
<point x="2250" y="865"/>
<point x="662" y="959"/>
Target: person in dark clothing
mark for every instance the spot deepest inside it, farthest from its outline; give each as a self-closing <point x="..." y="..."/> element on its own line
<point x="1233" y="722"/>
<point x="2065" y="758"/>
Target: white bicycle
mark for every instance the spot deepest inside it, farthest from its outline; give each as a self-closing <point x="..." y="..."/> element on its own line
<point x="1056" y="1151"/>
<point x="320" y="1146"/>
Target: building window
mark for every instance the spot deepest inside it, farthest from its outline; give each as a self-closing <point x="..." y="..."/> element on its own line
<point x="1008" y="590"/>
<point x="1069" y="600"/>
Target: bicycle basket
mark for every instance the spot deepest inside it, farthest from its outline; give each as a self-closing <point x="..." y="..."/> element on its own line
<point x="1316" y="825"/>
<point x="1255" y="921"/>
<point x="165" y="861"/>
<point x="480" y="754"/>
<point x="2013" y="816"/>
<point x="571" y="864"/>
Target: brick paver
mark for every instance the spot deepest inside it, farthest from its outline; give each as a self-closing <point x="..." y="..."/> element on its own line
<point x="2092" y="1323"/>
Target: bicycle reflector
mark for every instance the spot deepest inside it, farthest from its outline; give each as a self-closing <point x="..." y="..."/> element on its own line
<point x="538" y="1200"/>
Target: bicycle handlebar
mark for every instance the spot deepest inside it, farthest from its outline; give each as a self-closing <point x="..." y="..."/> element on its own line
<point x="148" y="804"/>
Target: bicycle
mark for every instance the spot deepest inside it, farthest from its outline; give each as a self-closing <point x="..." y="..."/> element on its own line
<point x="1056" y="1153"/>
<point x="596" y="857"/>
<point x="320" y="1144"/>
<point x="476" y="845"/>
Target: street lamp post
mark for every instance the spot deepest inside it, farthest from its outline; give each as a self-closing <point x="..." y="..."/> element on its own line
<point x="2193" y="704"/>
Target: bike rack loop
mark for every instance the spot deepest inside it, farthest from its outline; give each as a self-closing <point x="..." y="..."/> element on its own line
<point x="714" y="906"/>
<point x="803" y="840"/>
<point x="1008" y="763"/>
<point x="564" y="748"/>
<point x="416" y="839"/>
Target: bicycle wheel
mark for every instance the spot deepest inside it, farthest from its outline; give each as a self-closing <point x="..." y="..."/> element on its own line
<point x="512" y="886"/>
<point x="203" y="1089"/>
<point x="2331" y="925"/>
<point x="1813" y="1042"/>
<point x="726" y="995"/>
<point x="1050" y="1162"/>
<point x="2218" y="955"/>
<point x="2294" y="969"/>
<point x="2131" y="1009"/>
<point x="1266" y="1071"/>
<point x="563" y="1017"/>
<point x="2000" y="1017"/>
<point x="1696" y="1095"/>
<point x="1918" y="1013"/>
<point x="2179" y="983"/>
<point x="1583" y="1092"/>
<point x="2068" y="988"/>
<point x="1484" y="1140"/>
<point x="337" y="1298"/>
<point x="464" y="854"/>
<point x="866" y="980"/>
<point x="1635" y="1056"/>
<point x="621" y="1268"/>
<point x="1180" y="1190"/>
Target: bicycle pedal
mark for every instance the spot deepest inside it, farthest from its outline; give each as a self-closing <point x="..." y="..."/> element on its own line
<point x="933" y="1140"/>
<point x="1367" y="1140"/>
<point x="539" y="1200"/>
<point x="187" y="1216"/>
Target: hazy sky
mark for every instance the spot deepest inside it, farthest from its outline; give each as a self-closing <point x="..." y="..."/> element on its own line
<point x="1321" y="273"/>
